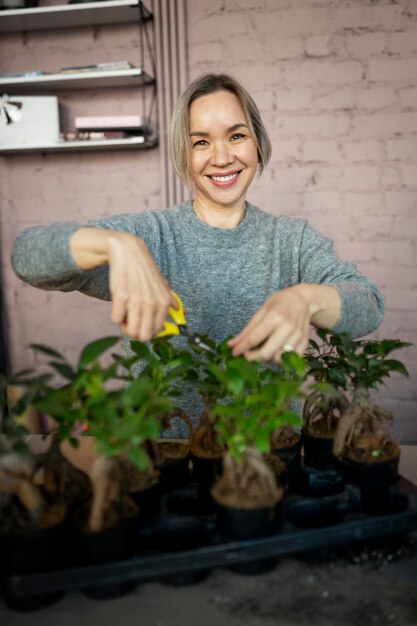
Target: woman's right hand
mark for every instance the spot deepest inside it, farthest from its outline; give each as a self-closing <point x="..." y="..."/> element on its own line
<point x="140" y="295"/>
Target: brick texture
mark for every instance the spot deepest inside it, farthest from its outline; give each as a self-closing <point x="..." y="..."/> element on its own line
<point x="336" y="82"/>
<point x="343" y="123"/>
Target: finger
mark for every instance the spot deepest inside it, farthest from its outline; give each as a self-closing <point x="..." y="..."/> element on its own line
<point x="147" y="321"/>
<point x="133" y="318"/>
<point x="278" y="343"/>
<point x="255" y="320"/>
<point x="254" y="335"/>
<point x="272" y="326"/>
<point x="118" y="309"/>
<point x="268" y="351"/>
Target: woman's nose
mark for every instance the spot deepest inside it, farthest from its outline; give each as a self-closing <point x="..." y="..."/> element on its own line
<point x="221" y="155"/>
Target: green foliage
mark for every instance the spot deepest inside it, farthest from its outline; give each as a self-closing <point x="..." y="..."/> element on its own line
<point x="249" y="401"/>
<point x="349" y="364"/>
<point x="101" y="393"/>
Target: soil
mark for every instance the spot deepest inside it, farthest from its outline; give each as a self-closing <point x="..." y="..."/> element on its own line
<point x="134" y="479"/>
<point x="277" y="465"/>
<point x="171" y="450"/>
<point x="285" y="437"/>
<point x="361" y="450"/>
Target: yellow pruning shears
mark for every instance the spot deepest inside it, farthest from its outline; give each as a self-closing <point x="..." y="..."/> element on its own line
<point x="178" y="326"/>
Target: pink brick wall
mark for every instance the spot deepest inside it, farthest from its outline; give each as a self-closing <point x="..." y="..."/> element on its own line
<point x="336" y="81"/>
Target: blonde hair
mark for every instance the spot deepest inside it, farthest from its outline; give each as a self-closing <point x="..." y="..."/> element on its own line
<point x="180" y="122"/>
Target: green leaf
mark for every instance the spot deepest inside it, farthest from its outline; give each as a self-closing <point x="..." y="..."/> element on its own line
<point x="396" y="366"/>
<point x="235" y="381"/>
<point x="64" y="369"/>
<point x="38" y="347"/>
<point x="95" y="349"/>
<point x="138" y="458"/>
<point x="337" y="376"/>
<point x="141" y="349"/>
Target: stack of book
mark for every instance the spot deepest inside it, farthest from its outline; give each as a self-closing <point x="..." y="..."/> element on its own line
<point x="107" y="127"/>
<point x="98" y="67"/>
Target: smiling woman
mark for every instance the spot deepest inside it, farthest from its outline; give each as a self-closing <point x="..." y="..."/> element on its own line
<point x="240" y="272"/>
<point x="223" y="161"/>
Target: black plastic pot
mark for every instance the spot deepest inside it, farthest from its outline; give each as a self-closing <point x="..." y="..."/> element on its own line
<point x="174" y="474"/>
<point x="244" y="524"/>
<point x="112" y="544"/>
<point x="148" y="500"/>
<point x="291" y="455"/>
<point x="27" y="553"/>
<point x="182" y="526"/>
<point x="375" y="481"/>
<point x="205" y="472"/>
<point x="315" y="513"/>
<point x="318" y="453"/>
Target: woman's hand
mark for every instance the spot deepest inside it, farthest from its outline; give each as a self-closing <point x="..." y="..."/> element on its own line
<point x="139" y="293"/>
<point x="282" y="323"/>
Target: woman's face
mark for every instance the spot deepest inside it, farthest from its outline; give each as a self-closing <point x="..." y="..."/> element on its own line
<point x="224" y="155"/>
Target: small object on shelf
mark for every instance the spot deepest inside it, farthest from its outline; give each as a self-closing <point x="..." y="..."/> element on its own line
<point x="18" y="4"/>
<point x="137" y="123"/>
<point x="24" y="74"/>
<point x="84" y="1"/>
<point x="98" y="67"/>
<point x="93" y="135"/>
<point x="33" y="120"/>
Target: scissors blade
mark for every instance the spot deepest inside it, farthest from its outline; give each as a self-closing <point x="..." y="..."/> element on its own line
<point x="196" y="340"/>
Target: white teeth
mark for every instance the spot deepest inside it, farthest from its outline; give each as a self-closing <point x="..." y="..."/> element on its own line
<point x="223" y="179"/>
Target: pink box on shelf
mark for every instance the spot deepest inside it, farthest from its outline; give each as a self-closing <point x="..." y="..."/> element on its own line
<point x="112" y="122"/>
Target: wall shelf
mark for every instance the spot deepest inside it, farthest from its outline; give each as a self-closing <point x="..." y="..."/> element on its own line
<point x="78" y="80"/>
<point x="81" y="146"/>
<point x="72" y="15"/>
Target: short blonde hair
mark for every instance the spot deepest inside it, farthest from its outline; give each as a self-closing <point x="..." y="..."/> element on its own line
<point x="180" y="123"/>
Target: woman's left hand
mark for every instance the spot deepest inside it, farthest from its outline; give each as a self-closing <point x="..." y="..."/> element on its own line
<point x="281" y="324"/>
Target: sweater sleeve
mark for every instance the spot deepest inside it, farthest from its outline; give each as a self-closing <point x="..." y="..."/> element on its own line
<point x="41" y="255"/>
<point x="362" y="307"/>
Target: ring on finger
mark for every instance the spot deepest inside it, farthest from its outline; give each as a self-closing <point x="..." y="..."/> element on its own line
<point x="288" y="347"/>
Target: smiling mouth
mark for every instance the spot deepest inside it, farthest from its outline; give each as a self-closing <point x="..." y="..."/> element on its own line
<point x="225" y="179"/>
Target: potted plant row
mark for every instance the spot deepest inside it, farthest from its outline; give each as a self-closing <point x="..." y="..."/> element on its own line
<point x="124" y="415"/>
<point x="248" y="428"/>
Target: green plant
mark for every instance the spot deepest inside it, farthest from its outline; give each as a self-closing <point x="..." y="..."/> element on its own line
<point x="23" y="504"/>
<point x="247" y="403"/>
<point x="356" y="367"/>
<point x="101" y="396"/>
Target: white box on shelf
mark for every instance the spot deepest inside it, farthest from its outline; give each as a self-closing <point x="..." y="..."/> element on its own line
<point x="38" y="121"/>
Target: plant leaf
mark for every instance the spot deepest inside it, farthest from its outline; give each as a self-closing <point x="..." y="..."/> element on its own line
<point x="95" y="349"/>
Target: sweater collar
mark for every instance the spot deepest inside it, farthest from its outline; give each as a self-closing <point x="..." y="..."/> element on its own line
<point x="226" y="237"/>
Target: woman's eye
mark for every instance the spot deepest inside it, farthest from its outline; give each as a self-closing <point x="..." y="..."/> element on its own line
<point x="236" y="136"/>
<point x="199" y="143"/>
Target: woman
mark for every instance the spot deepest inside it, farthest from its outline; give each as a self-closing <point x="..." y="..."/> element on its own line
<point x="240" y="272"/>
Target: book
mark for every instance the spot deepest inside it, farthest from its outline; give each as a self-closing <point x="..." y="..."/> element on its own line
<point x="93" y="135"/>
<point x="137" y="123"/>
<point x="98" y="67"/>
<point x="24" y="74"/>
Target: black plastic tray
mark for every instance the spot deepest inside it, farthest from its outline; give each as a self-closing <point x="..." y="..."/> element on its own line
<point x="344" y="524"/>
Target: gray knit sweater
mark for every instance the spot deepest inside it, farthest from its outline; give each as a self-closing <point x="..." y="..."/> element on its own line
<point x="222" y="275"/>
